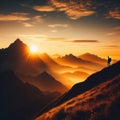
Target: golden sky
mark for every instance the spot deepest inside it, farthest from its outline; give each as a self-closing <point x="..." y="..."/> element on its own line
<point x="61" y="27"/>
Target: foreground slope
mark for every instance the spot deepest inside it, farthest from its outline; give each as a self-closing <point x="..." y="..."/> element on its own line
<point x="94" y="80"/>
<point x="101" y="102"/>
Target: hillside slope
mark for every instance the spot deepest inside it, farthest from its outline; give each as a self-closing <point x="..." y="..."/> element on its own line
<point x="98" y="103"/>
<point x="92" y="81"/>
<point x="107" y="74"/>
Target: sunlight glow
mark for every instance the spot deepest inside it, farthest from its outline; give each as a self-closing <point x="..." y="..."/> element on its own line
<point x="33" y="49"/>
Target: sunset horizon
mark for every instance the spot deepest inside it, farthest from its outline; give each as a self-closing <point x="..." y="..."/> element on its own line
<point x="63" y="27"/>
<point x="59" y="60"/>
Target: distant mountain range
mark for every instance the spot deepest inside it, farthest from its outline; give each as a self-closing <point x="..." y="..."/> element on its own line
<point x="96" y="98"/>
<point x="18" y="58"/>
<point x="44" y="81"/>
<point x="29" y="84"/>
<point x="75" y="61"/>
<point x="19" y="100"/>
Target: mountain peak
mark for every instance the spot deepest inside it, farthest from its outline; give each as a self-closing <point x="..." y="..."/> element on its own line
<point x="17" y="42"/>
<point x="18" y="46"/>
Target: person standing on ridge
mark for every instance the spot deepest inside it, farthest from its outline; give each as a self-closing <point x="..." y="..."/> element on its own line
<point x="109" y="60"/>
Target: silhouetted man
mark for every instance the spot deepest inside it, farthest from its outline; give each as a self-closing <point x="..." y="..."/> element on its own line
<point x="109" y="60"/>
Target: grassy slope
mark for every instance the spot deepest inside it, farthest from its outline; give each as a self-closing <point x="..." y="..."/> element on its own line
<point x="99" y="103"/>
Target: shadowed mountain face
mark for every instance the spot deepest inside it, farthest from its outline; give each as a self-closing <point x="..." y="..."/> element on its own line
<point x="18" y="100"/>
<point x="44" y="81"/>
<point x="102" y="102"/>
<point x="94" y="80"/>
<point x="18" y="58"/>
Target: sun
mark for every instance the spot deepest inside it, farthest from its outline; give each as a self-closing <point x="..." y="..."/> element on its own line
<point x="33" y="49"/>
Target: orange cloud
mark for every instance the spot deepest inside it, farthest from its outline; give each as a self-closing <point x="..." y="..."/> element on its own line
<point x="14" y="17"/>
<point x="84" y="41"/>
<point x="73" y="9"/>
<point x="75" y="14"/>
<point x="114" y="46"/>
<point x="38" y="19"/>
<point x="43" y="8"/>
<point x="115" y="14"/>
<point x="27" y="24"/>
<point x="58" y="25"/>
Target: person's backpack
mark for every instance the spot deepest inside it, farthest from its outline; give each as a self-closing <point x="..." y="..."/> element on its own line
<point x="109" y="60"/>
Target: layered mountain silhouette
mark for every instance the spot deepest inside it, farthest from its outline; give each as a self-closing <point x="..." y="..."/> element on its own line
<point x="92" y="81"/>
<point x="101" y="102"/>
<point x="74" y="61"/>
<point x="93" y="58"/>
<point x="19" y="100"/>
<point x="107" y="74"/>
<point x="44" y="81"/>
<point x="17" y="57"/>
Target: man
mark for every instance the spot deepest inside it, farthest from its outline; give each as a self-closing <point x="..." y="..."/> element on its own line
<point x="109" y="60"/>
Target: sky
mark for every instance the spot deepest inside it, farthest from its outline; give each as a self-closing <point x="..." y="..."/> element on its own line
<point x="63" y="26"/>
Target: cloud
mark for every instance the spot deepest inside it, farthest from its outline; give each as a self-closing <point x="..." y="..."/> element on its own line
<point x="81" y="8"/>
<point x="14" y="17"/>
<point x="27" y="24"/>
<point x="84" y="41"/>
<point x="44" y="8"/>
<point x="117" y="28"/>
<point x="58" y="25"/>
<point x="115" y="14"/>
<point x="74" y="9"/>
<point x="111" y="33"/>
<point x="57" y="39"/>
<point x="113" y="46"/>
<point x="114" y="31"/>
<point x="38" y="19"/>
<point x="54" y="31"/>
<point x="74" y="14"/>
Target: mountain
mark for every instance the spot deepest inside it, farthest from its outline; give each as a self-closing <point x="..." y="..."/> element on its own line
<point x="77" y="76"/>
<point x="30" y="67"/>
<point x="93" y="58"/>
<point x="92" y="81"/>
<point x="44" y="81"/>
<point x="73" y="61"/>
<point x="99" y="103"/>
<point x="18" y="100"/>
<point x="52" y="65"/>
<point x="105" y="75"/>
<point x="18" y="58"/>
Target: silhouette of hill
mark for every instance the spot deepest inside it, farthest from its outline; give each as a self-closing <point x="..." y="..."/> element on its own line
<point x="99" y="103"/>
<point x="45" y="81"/>
<point x="17" y="57"/>
<point x="18" y="100"/>
<point x="93" y="58"/>
<point x="74" y="61"/>
<point x="51" y="64"/>
<point x="94" y="80"/>
<point x="76" y="76"/>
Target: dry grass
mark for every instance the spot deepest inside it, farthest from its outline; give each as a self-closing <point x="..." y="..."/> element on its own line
<point x="99" y="103"/>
